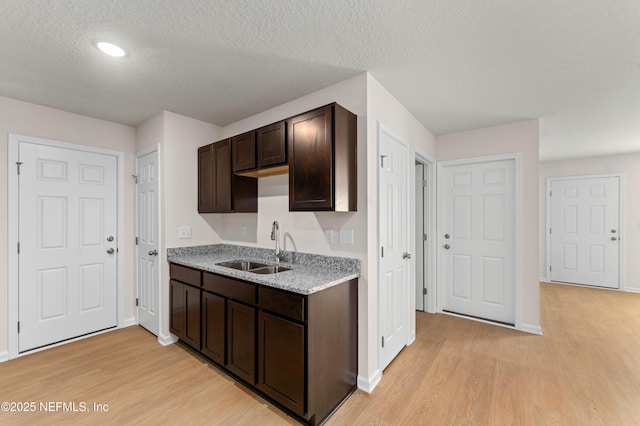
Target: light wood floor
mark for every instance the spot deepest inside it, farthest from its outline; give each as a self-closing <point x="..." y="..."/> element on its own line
<point x="584" y="370"/>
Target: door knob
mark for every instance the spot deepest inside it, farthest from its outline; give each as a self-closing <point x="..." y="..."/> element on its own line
<point x="110" y="238"/>
<point x="153" y="253"/>
<point x="406" y="255"/>
<point x="446" y="236"/>
<point x="447" y="246"/>
<point x="613" y="231"/>
<point x="614" y="239"/>
<point x="110" y="251"/>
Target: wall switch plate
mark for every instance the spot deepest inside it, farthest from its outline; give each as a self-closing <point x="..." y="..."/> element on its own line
<point x="328" y="235"/>
<point x="346" y="236"/>
<point x="184" y="232"/>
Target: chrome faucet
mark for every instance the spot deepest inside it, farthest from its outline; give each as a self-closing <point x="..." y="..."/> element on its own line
<point x="274" y="236"/>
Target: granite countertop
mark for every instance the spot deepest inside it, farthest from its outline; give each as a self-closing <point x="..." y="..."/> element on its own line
<point x="309" y="273"/>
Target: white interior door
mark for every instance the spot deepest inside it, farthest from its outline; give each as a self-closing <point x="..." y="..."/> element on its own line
<point x="585" y="231"/>
<point x="394" y="267"/>
<point x="477" y="255"/>
<point x="148" y="269"/>
<point x="67" y="237"/>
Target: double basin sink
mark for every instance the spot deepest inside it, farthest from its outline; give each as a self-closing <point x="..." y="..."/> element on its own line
<point x="254" y="267"/>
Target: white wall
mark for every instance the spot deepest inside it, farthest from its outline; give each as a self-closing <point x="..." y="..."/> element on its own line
<point x="383" y="109"/>
<point x="522" y="137"/>
<point x="629" y="166"/>
<point x="178" y="138"/>
<point x="47" y="123"/>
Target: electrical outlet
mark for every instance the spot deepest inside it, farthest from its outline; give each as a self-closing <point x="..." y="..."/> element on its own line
<point x="243" y="230"/>
<point x="328" y="235"/>
<point x="184" y="232"/>
<point x="346" y="237"/>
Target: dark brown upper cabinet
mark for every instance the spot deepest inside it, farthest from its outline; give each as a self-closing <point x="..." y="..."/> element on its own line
<point x="219" y="190"/>
<point x="272" y="145"/>
<point x="244" y="151"/>
<point x="323" y="160"/>
<point x="268" y="152"/>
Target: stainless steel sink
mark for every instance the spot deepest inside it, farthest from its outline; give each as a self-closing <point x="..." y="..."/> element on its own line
<point x="255" y="267"/>
<point x="270" y="270"/>
<point x="242" y="265"/>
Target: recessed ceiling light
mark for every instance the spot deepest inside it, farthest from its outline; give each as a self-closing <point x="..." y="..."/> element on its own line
<point x="111" y="49"/>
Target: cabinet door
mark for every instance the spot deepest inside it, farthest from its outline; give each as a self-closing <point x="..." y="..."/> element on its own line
<point x="213" y="327"/>
<point x="214" y="178"/>
<point x="205" y="179"/>
<point x="272" y="145"/>
<point x="192" y="316"/>
<point x="178" y="308"/>
<point x="311" y="160"/>
<point x="244" y="151"/>
<point x="241" y="341"/>
<point x="222" y="177"/>
<point x="281" y="361"/>
<point x="185" y="313"/>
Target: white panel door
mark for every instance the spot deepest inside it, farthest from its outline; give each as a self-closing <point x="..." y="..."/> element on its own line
<point x="148" y="269"/>
<point x="585" y="231"/>
<point x="67" y="231"/>
<point x="394" y="268"/>
<point x="478" y="240"/>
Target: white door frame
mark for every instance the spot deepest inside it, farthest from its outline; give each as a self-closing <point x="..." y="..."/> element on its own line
<point x="140" y="154"/>
<point x="429" y="259"/>
<point x="409" y="308"/>
<point x="621" y="201"/>
<point x="12" y="240"/>
<point x="517" y="158"/>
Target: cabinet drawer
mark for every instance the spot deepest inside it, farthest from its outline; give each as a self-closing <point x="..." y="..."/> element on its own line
<point x="228" y="287"/>
<point x="185" y="274"/>
<point x="286" y="304"/>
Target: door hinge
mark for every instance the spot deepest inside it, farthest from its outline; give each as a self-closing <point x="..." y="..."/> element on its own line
<point x="549" y="268"/>
<point x="18" y="244"/>
<point x="549" y="231"/>
<point x="424" y="291"/>
<point x="383" y="341"/>
<point x="424" y="237"/>
<point x="382" y="160"/>
<point x="136" y="240"/>
<point x="137" y="301"/>
<point x="135" y="177"/>
<point x="18" y="164"/>
<point x="18" y="327"/>
<point x="425" y="183"/>
<point x="382" y="251"/>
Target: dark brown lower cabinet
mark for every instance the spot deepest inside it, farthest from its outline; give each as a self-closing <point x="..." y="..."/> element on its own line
<point x="185" y="313"/>
<point x="213" y="327"/>
<point x="281" y="361"/>
<point x="299" y="351"/>
<point x="241" y="341"/>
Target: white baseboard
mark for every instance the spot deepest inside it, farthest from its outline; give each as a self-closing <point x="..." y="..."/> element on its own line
<point x="533" y="329"/>
<point x="165" y="340"/>
<point x="631" y="290"/>
<point x="129" y="322"/>
<point x="543" y="279"/>
<point x="368" y="384"/>
<point x="4" y="356"/>
<point x="412" y="338"/>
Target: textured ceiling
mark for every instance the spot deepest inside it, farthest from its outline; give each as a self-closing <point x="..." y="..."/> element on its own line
<point x="456" y="65"/>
